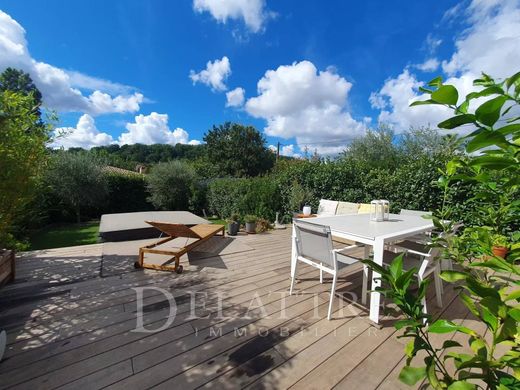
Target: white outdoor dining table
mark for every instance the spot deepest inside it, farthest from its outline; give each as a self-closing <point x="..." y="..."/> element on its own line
<point x="359" y="228"/>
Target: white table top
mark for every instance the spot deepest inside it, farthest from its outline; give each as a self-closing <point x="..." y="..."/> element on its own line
<point x="361" y="226"/>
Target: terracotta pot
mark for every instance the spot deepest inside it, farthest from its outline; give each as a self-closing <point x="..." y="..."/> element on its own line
<point x="500" y="251"/>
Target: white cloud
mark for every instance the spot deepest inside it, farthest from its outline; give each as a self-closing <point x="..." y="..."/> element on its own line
<point x="61" y="90"/>
<point x="154" y="129"/>
<point x="490" y="44"/>
<point x="235" y="98"/>
<point x="252" y="12"/>
<point x="85" y="135"/>
<point x="430" y="65"/>
<point x="286" y="150"/>
<point x="215" y="74"/>
<point x="298" y="101"/>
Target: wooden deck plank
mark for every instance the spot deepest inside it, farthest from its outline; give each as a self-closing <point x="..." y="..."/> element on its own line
<point x="76" y="331"/>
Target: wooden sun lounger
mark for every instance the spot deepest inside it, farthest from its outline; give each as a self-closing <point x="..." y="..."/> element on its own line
<point x="201" y="233"/>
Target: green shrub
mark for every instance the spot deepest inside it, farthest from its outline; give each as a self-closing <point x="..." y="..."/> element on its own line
<point x="172" y="186"/>
<point x="257" y="196"/>
<point x="78" y="181"/>
<point x="126" y="193"/>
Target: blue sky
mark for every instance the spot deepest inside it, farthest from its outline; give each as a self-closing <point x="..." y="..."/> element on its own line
<point x="335" y="67"/>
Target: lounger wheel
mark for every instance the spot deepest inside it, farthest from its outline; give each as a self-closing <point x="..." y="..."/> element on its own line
<point x="137" y="265"/>
<point x="179" y="269"/>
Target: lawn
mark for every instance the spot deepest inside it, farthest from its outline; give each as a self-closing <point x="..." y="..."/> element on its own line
<point x="65" y="235"/>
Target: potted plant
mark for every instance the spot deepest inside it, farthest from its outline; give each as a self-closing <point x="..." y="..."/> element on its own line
<point x="250" y="221"/>
<point x="500" y="245"/>
<point x="233" y="224"/>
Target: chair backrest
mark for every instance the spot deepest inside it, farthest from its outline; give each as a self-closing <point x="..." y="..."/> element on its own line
<point x="174" y="229"/>
<point x="327" y="207"/>
<point x="314" y="242"/>
<point x="414" y="212"/>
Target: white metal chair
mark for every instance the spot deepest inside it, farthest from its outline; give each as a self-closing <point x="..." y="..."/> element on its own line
<point x="313" y="244"/>
<point x="425" y="263"/>
<point x="421" y="246"/>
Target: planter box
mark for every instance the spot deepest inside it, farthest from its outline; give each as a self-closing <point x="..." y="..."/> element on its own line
<point x="7" y="269"/>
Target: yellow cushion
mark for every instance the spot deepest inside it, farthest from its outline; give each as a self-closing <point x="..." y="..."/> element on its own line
<point x="347" y="208"/>
<point x="364" y="208"/>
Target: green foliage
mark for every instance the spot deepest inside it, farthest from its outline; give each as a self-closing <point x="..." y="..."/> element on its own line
<point x="78" y="181"/>
<point x="126" y="193"/>
<point x="238" y="150"/>
<point x="128" y="156"/>
<point x="250" y="218"/>
<point x="499" y="240"/>
<point x="488" y="284"/>
<point x="173" y="185"/>
<point x="18" y="81"/>
<point x="257" y="196"/>
<point x="22" y="157"/>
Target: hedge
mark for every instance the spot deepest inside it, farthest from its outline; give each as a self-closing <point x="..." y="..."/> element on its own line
<point x="412" y="186"/>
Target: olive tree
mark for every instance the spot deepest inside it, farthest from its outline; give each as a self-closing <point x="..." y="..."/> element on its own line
<point x="77" y="180"/>
<point x="172" y="185"/>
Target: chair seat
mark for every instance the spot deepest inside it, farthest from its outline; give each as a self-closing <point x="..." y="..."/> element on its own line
<point x="419" y="248"/>
<point x="345" y="259"/>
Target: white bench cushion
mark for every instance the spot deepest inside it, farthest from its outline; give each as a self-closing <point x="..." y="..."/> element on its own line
<point x="327" y="207"/>
<point x="347" y="208"/>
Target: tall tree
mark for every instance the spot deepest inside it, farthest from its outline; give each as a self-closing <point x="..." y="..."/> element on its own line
<point x="23" y="155"/>
<point x="18" y="81"/>
<point x="78" y="180"/>
<point x="238" y="150"/>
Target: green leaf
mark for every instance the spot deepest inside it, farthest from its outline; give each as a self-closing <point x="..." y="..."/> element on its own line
<point x="411" y="375"/>
<point x="512" y="80"/>
<point x="485" y="139"/>
<point x="443" y="326"/>
<point x="396" y="267"/>
<point x="493" y="90"/>
<point x="446" y="94"/>
<point x="493" y="162"/>
<point x="423" y="102"/>
<point x="461" y="385"/>
<point x="457" y="121"/>
<point x="489" y="112"/>
<point x="450" y="344"/>
<point x="425" y="90"/>
<point x="436" y="82"/>
<point x="509" y="129"/>
<point x="453" y="276"/>
<point x="469" y="303"/>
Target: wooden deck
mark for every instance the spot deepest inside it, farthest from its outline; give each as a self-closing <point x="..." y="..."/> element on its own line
<point x="70" y="326"/>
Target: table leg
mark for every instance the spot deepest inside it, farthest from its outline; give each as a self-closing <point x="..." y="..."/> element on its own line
<point x="364" y="287"/>
<point x="379" y="247"/>
<point x="293" y="252"/>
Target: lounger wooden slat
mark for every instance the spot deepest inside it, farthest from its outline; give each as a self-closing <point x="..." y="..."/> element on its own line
<point x="200" y="233"/>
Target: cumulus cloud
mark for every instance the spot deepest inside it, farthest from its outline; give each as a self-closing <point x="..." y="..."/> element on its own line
<point x="85" y="135"/>
<point x="286" y="150"/>
<point x="490" y="44"/>
<point x="154" y="129"/>
<point x="252" y="12"/>
<point x="235" y="98"/>
<point x="215" y="74"/>
<point x="299" y="101"/>
<point x="61" y="89"/>
<point x="430" y="65"/>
